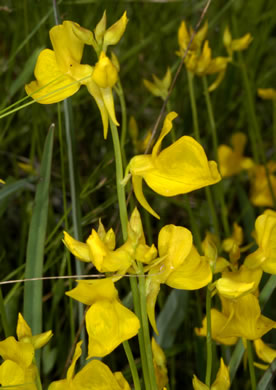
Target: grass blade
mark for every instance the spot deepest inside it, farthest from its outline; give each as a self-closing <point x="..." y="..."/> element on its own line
<point x="36" y="240"/>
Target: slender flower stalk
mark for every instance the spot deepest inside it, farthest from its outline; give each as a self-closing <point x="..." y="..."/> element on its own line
<point x="197" y="137"/>
<point x="140" y="308"/>
<point x="218" y="188"/>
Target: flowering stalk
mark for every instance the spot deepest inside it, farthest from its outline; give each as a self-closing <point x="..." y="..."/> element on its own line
<point x="197" y="137"/>
<point x="219" y="188"/>
<point x="134" y="287"/>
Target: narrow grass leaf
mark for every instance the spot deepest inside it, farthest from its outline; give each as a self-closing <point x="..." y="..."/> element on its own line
<point x="36" y="241"/>
<point x="171" y="317"/>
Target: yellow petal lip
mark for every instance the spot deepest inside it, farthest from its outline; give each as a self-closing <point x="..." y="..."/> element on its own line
<point x="77" y="248"/>
<point x="91" y="291"/>
<point x="52" y="85"/>
<point x="109" y="324"/>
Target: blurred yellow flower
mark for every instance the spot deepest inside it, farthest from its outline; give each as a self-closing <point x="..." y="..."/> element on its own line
<point x="235" y="44"/>
<point x="267" y="93"/>
<point x="264" y="352"/>
<point x="232" y="244"/>
<point x="108" y="322"/>
<point x="159" y="362"/>
<point x="180" y="168"/>
<point x="260" y="192"/>
<point x="179" y="266"/>
<point x="159" y="87"/>
<point x="222" y="381"/>
<point x="94" y="375"/>
<point x="265" y="256"/>
<point x="59" y="73"/>
<point x="231" y="160"/>
<point x="199" y="59"/>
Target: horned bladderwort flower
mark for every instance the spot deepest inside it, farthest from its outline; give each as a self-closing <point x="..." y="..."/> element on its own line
<point x="18" y="368"/>
<point x="231" y="160"/>
<point x="94" y="375"/>
<point x="260" y="191"/>
<point x="265" y="234"/>
<point x="108" y="322"/>
<point x="59" y="72"/>
<point x="159" y="87"/>
<point x="99" y="248"/>
<point x="179" y="266"/>
<point x="180" y="168"/>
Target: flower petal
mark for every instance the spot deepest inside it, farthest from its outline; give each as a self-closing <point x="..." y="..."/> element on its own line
<point x="109" y="324"/>
<point x="91" y="291"/>
<point x="52" y="85"/>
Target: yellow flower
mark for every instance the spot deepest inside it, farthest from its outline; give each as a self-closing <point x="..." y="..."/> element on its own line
<point x="184" y="38"/>
<point x="102" y="38"/>
<point x="58" y="72"/>
<point x="233" y="285"/>
<point x="100" y="247"/>
<point x="239" y="318"/>
<point x="267" y="93"/>
<point x="159" y="362"/>
<point x="222" y="381"/>
<point x="235" y="44"/>
<point x="199" y="59"/>
<point x="179" y="266"/>
<point x="94" y="375"/>
<point x="260" y="193"/>
<point x="264" y="352"/>
<point x="159" y="87"/>
<point x="233" y="243"/>
<point x="265" y="256"/>
<point x="231" y="160"/>
<point x="178" y="169"/>
<point x="108" y="322"/>
<point x="139" y="145"/>
<point x="18" y="368"/>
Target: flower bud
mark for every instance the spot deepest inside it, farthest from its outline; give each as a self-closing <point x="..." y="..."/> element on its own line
<point x="105" y="73"/>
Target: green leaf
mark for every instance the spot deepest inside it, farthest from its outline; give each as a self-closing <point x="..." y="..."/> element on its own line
<point x="36" y="241"/>
<point x="267" y="378"/>
<point x="171" y="317"/>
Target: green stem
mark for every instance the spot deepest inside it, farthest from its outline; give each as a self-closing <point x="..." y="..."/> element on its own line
<point x="145" y="326"/>
<point x="121" y="96"/>
<point x="193" y="105"/>
<point x="208" y="338"/>
<point x="251" y="364"/>
<point x="194" y="228"/>
<point x="119" y="178"/>
<point x="218" y="187"/>
<point x="132" y="365"/>
<point x="124" y="222"/>
<point x="197" y="137"/>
